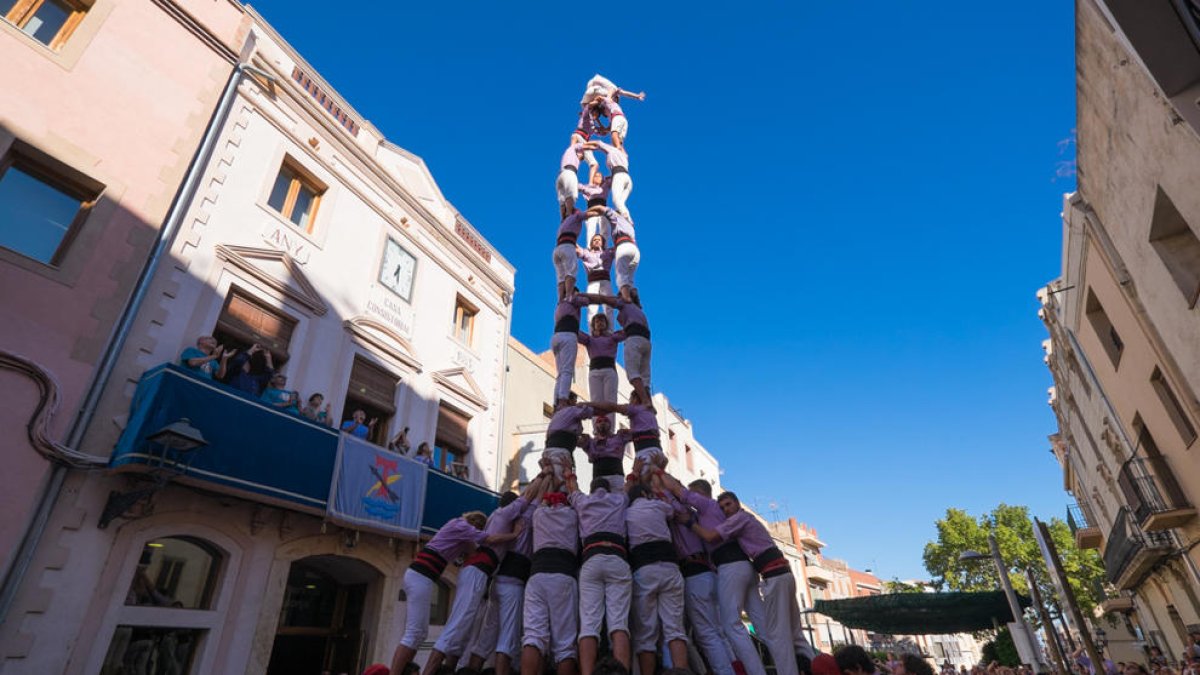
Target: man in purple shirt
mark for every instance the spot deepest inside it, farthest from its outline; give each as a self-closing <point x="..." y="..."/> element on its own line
<point x="699" y="587"/>
<point x="636" y="327"/>
<point x="622" y="184"/>
<point x="564" y="342"/>
<point x="597" y="262"/>
<point x="782" y="630"/>
<point x="606" y="451"/>
<point x="602" y="359"/>
<point x="456" y="538"/>
<point x="604" y="584"/>
<point x="562" y="436"/>
<point x="501" y="529"/>
<point x="596" y="191"/>
<point x="567" y="183"/>
<point x="657" y="583"/>
<point x="500" y="628"/>
<point x="737" y="584"/>
<point x="551" y="614"/>
<point x="566" y="264"/>
<point x="643" y="428"/>
<point x="618" y="126"/>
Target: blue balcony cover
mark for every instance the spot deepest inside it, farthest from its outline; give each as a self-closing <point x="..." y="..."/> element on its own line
<point x="260" y="453"/>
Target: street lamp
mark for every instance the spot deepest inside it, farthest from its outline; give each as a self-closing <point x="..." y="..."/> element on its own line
<point x="1019" y="629"/>
<point x="176" y="442"/>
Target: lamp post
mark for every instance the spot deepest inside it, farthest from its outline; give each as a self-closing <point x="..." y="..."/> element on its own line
<point x="1019" y="629"/>
<point x="177" y="442"/>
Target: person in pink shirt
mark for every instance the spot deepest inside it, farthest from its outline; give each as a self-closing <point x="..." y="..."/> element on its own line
<point x="551" y="613"/>
<point x="618" y="167"/>
<point x="657" y="583"/>
<point x="566" y="264"/>
<point x="604" y="577"/>
<point x="596" y="192"/>
<point x="783" y="632"/>
<point x="618" y="126"/>
<point x="597" y="262"/>
<point x="636" y="327"/>
<point x="606" y="451"/>
<point x="564" y="342"/>
<point x="699" y="587"/>
<point x="584" y="131"/>
<point x="601" y="347"/>
<point x="562" y="436"/>
<point x="567" y="183"/>
<point x="643" y="428"/>
<point x="456" y="538"/>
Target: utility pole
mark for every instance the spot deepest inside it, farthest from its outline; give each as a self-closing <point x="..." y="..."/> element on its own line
<point x="1054" y="563"/>
<point x="1047" y="624"/>
<point x="1025" y="642"/>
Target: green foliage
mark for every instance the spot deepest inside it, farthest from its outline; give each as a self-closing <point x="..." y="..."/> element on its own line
<point x="959" y="532"/>
<point x="1001" y="650"/>
<point x="897" y="586"/>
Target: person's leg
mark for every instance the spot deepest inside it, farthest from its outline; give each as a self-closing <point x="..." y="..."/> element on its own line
<point x="472" y="582"/>
<point x="732" y="579"/>
<point x="567" y="188"/>
<point x="621" y="271"/>
<point x="535" y="638"/>
<point x="418" y="591"/>
<point x="700" y="603"/>
<point x="645" y="619"/>
<point x="594" y="288"/>
<point x="618" y="590"/>
<point x="776" y="627"/>
<point x="564" y="346"/>
<point x="488" y="632"/>
<point x="609" y="385"/>
<point x="596" y="390"/>
<point x="508" y="643"/>
<point x="620" y="131"/>
<point x="637" y="364"/>
<point x="591" y="612"/>
<point x="622" y="186"/>
<point x="564" y="627"/>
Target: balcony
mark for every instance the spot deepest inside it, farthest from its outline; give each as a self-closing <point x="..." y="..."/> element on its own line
<point x="1130" y="554"/>
<point x="1087" y="535"/>
<point x="260" y="454"/>
<point x="816" y="571"/>
<point x="1154" y="497"/>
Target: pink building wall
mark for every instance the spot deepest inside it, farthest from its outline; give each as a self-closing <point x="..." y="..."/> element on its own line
<point x="124" y="102"/>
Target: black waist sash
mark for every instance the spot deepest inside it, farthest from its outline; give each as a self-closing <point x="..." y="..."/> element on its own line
<point x="429" y="563"/>
<point x="607" y="466"/>
<point x="597" y="201"/>
<point x="622" y="238"/>
<point x="604" y="543"/>
<point x="638" y="329"/>
<point x="567" y="238"/>
<point x="646" y="439"/>
<point x="728" y="552"/>
<point x="619" y="169"/>
<point x="771" y="563"/>
<point x="572" y="169"/>
<point x="598" y="362"/>
<point x="650" y="552"/>
<point x="694" y="564"/>
<point x="598" y="275"/>
<point x="551" y="560"/>
<point x="514" y="565"/>
<point x="485" y="559"/>
<point x="568" y="324"/>
<point x="563" y="438"/>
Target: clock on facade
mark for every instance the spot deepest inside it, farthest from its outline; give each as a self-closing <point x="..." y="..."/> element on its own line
<point x="397" y="269"/>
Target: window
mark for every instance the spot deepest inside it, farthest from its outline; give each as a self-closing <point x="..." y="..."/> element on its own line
<point x="464" y="320"/>
<point x="1110" y="340"/>
<point x="1174" y="409"/>
<point x="246" y="321"/>
<point x="452" y="441"/>
<point x="672" y="447"/>
<point x="177" y="572"/>
<point x="50" y="22"/>
<point x="42" y="204"/>
<point x="372" y="390"/>
<point x="1177" y="246"/>
<point x="687" y="457"/>
<point x="296" y="195"/>
<point x="132" y="647"/>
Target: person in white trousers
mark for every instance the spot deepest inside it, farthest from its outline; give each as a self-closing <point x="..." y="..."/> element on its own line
<point x="618" y="167"/>
<point x="567" y="183"/>
<point x="601" y="347"/>
<point x="595" y="192"/>
<point x="781" y="628"/>
<point x="602" y="87"/>
<point x="597" y="262"/>
<point x="551" y="612"/>
<point x="657" y="584"/>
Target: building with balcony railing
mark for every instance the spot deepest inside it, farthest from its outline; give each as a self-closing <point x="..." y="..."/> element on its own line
<point x="228" y="531"/>
<point x="1122" y="316"/>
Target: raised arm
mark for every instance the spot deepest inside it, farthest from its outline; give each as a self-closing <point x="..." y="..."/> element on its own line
<point x="706" y="534"/>
<point x="673" y="486"/>
<point x="641" y="95"/>
<point x="606" y="407"/>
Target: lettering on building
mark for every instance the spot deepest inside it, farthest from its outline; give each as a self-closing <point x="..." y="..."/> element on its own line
<point x="283" y="238"/>
<point x="465" y="359"/>
<point x="472" y="241"/>
<point x="384" y="306"/>
<point x="325" y="100"/>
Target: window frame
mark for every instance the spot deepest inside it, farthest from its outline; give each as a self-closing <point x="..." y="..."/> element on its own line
<point x="52" y="173"/>
<point x="299" y="177"/>
<point x="24" y="10"/>
<point x="464" y="309"/>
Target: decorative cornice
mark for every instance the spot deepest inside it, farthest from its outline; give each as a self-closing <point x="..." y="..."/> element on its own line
<point x="395" y="346"/>
<point x="243" y="258"/>
<point x="471" y="393"/>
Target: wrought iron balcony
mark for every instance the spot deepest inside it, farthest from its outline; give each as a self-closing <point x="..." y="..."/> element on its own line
<point x="259" y="453"/>
<point x="1154" y="497"/>
<point x="1087" y="534"/>
<point x="1130" y="554"/>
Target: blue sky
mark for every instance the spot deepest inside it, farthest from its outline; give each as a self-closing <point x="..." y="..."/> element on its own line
<point x="844" y="212"/>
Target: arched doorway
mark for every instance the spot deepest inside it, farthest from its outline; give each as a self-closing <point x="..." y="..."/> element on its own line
<point x="322" y="617"/>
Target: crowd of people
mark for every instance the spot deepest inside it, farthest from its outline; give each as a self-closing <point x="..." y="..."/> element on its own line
<point x="252" y="372"/>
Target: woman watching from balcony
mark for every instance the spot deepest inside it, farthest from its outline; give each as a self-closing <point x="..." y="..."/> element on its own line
<point x="313" y="410"/>
<point x="283" y="399"/>
<point x="249" y="374"/>
<point x="358" y="425"/>
<point x="424" y="455"/>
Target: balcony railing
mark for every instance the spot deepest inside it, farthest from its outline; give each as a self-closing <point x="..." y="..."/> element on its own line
<point x="1154" y="497"/>
<point x="1130" y="553"/>
<point x="259" y="453"/>
<point x="1087" y="534"/>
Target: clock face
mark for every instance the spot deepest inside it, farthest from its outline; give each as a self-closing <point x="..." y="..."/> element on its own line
<point x="397" y="270"/>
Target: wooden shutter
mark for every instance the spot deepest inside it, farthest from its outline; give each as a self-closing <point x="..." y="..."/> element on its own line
<point x="250" y="320"/>
<point x="452" y="430"/>
<point x="373" y="385"/>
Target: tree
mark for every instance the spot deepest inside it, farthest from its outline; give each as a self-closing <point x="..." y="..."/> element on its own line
<point x="1001" y="650"/>
<point x="897" y="586"/>
<point x="958" y="532"/>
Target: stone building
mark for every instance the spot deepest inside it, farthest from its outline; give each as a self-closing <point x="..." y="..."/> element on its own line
<point x="227" y="535"/>
<point x="1122" y="316"/>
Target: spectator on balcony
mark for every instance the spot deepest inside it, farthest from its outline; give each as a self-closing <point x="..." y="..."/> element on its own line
<point x="424" y="455"/>
<point x="275" y="395"/>
<point x="207" y="359"/>
<point x="400" y="442"/>
<point x="313" y="410"/>
<point x="249" y="374"/>
<point x="358" y="425"/>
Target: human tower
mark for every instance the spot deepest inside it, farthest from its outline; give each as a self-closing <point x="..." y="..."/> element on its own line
<point x="639" y="564"/>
